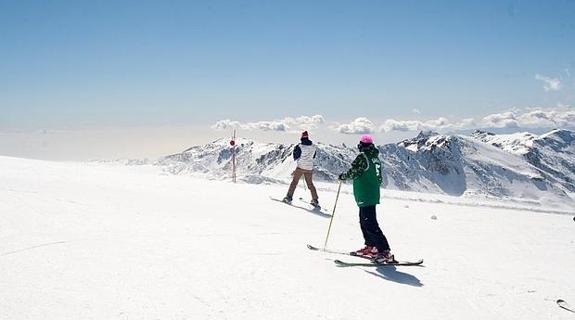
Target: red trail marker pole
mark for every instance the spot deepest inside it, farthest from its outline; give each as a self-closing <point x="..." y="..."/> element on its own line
<point x="233" y="144"/>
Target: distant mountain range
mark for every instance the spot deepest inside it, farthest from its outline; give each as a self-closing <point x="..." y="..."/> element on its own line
<point x="523" y="165"/>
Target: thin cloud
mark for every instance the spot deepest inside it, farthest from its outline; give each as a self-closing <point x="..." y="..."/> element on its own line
<point x="286" y="124"/>
<point x="467" y="123"/>
<point x="398" y="125"/>
<point x="358" y="126"/>
<point x="226" y="124"/>
<point x="531" y="118"/>
<point x="305" y="122"/>
<point x="440" y="123"/>
<point x="561" y="116"/>
<point x="500" y="120"/>
<point x="549" y="84"/>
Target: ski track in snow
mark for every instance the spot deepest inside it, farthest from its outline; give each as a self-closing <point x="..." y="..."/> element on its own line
<point x="32" y="247"/>
<point x="89" y="241"/>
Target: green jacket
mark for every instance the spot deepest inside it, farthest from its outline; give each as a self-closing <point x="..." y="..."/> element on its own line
<point x="366" y="174"/>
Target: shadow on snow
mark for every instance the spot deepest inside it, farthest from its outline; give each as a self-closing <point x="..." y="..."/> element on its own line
<point x="391" y="273"/>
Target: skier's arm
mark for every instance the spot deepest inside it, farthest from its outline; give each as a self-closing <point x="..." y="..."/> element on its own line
<point x="380" y="175"/>
<point x="358" y="166"/>
<point x="296" y="152"/>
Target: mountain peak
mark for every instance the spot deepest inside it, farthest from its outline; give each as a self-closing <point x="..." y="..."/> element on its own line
<point x="426" y="134"/>
<point x="560" y="140"/>
<point x="481" y="134"/>
<point x="425" y="140"/>
<point x="564" y="135"/>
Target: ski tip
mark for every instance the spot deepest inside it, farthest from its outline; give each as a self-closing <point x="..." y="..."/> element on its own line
<point x="416" y="263"/>
<point x="309" y="246"/>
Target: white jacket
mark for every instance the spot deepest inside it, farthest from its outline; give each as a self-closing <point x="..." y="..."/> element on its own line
<point x="305" y="160"/>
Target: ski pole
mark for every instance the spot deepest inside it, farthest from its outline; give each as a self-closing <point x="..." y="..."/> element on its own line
<point x="332" y="215"/>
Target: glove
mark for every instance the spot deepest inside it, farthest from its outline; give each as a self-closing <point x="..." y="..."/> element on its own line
<point x="341" y="177"/>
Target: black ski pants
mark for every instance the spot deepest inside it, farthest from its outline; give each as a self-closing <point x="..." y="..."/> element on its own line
<point x="372" y="234"/>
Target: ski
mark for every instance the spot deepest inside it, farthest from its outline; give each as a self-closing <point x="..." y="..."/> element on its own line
<point x="309" y="246"/>
<point x="319" y="212"/>
<point x="373" y="264"/>
<point x="315" y="208"/>
<point x="353" y="254"/>
<point x="564" y="305"/>
<point x="364" y="264"/>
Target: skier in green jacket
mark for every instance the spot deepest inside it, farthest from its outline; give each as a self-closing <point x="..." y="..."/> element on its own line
<point x="366" y="175"/>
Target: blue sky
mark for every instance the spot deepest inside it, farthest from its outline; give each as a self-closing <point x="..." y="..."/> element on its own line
<point x="197" y="61"/>
<point x="114" y="63"/>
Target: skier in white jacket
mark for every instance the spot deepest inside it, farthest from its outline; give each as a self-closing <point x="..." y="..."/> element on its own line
<point x="304" y="154"/>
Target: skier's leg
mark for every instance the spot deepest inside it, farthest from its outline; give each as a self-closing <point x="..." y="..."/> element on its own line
<point x="308" y="176"/>
<point x="296" y="176"/>
<point x="363" y="223"/>
<point x="373" y="231"/>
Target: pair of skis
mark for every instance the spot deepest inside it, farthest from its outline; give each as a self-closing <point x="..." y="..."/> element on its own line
<point x="340" y="263"/>
<point x="364" y="264"/>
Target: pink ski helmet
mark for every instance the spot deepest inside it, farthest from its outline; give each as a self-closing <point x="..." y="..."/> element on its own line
<point x="366" y="138"/>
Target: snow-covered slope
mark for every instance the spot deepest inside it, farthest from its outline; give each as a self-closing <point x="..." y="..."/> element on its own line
<point x="93" y="241"/>
<point x="485" y="165"/>
<point x="552" y="154"/>
<point x="517" y="143"/>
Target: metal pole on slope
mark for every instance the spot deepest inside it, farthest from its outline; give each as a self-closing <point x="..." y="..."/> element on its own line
<point x="332" y="215"/>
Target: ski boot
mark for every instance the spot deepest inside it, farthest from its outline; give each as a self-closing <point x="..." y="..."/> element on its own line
<point x="315" y="204"/>
<point x="367" y="251"/>
<point x="287" y="199"/>
<point x="384" y="257"/>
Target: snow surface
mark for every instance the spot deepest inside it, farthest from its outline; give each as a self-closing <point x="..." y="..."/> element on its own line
<point x="93" y="241"/>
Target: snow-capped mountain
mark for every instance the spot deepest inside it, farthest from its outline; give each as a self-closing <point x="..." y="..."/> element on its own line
<point x="520" y="166"/>
<point x="553" y="153"/>
<point x="255" y="162"/>
<point x="460" y="165"/>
